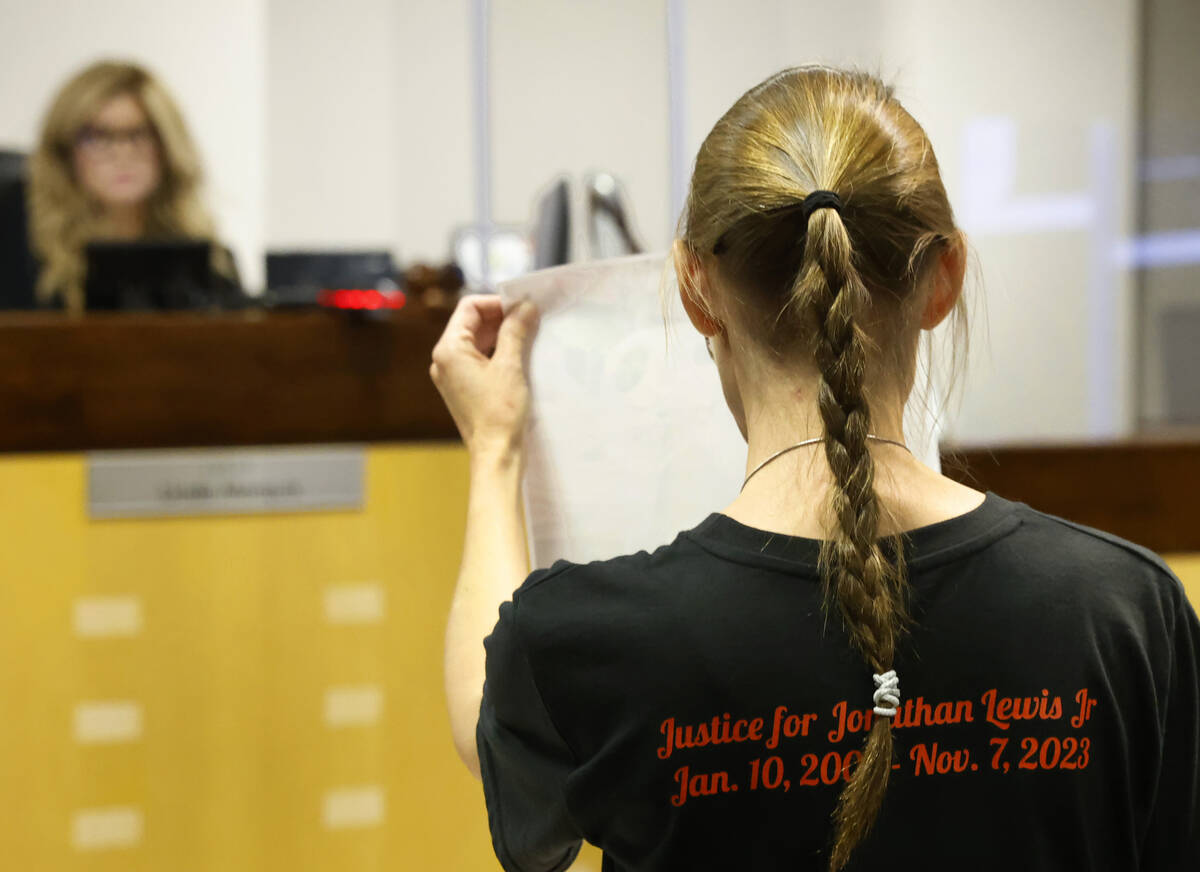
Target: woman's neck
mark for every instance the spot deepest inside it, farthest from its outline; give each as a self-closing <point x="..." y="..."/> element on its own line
<point x="126" y="221"/>
<point x="781" y="413"/>
<point x="789" y="494"/>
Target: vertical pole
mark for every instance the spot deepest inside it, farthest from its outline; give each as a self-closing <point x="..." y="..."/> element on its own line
<point x="676" y="111"/>
<point x="1107" y="409"/>
<point x="1139" y="346"/>
<point x="481" y="81"/>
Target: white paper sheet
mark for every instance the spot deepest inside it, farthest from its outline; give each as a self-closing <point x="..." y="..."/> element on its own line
<point x="629" y="439"/>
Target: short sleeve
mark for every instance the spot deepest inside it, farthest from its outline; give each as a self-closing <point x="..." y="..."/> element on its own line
<point x="523" y="760"/>
<point x="1173" y="836"/>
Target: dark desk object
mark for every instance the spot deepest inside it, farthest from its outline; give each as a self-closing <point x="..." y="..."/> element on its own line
<point x="160" y="380"/>
<point x="607" y="203"/>
<point x="18" y="270"/>
<point x="552" y="226"/>
<point x="298" y="277"/>
<point x="140" y="276"/>
<point x="1142" y="489"/>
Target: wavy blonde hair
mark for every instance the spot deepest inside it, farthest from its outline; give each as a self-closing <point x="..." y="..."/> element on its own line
<point x="62" y="217"/>
<point x="842" y="290"/>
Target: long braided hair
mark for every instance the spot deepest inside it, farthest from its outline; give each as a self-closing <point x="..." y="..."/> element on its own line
<point x="838" y="290"/>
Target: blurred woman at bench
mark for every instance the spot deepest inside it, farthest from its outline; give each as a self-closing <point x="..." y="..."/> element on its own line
<point x="114" y="161"/>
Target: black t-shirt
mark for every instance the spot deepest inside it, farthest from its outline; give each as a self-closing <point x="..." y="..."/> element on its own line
<point x="694" y="709"/>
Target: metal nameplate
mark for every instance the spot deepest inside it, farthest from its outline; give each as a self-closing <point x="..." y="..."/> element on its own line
<point x="220" y="481"/>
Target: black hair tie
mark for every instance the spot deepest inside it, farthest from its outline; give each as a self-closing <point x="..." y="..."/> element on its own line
<point x="814" y="201"/>
<point x="820" y="200"/>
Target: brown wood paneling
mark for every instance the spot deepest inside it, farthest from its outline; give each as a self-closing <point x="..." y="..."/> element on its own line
<point x="159" y="380"/>
<point x="170" y="380"/>
<point x="1147" y="491"/>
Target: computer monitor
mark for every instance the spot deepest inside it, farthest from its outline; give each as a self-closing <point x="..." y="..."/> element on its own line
<point x="299" y="276"/>
<point x="175" y="274"/>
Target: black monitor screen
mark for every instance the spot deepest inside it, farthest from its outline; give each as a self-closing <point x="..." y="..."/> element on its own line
<point x="320" y="270"/>
<point x="150" y="275"/>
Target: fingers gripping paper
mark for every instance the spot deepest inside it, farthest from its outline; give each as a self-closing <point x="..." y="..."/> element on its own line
<point x="629" y="438"/>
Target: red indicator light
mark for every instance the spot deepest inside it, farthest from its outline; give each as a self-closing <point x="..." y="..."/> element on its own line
<point x="361" y="299"/>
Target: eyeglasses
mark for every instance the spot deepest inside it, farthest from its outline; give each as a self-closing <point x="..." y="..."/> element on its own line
<point x="104" y="140"/>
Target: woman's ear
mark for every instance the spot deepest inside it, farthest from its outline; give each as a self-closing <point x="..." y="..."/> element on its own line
<point x="693" y="289"/>
<point x="947" y="282"/>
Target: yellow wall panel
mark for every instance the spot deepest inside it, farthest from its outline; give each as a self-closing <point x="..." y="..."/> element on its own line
<point x="1187" y="567"/>
<point x="235" y="767"/>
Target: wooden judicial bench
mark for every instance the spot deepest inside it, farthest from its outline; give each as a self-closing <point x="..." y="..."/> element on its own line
<point x="277" y="674"/>
<point x="112" y="381"/>
<point x="1144" y="489"/>
<point x="166" y="380"/>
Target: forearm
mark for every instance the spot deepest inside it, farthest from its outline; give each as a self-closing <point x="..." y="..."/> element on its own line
<point x="494" y="563"/>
